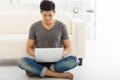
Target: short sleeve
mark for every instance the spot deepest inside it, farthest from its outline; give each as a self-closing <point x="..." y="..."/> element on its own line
<point x="32" y="33"/>
<point x="64" y="33"/>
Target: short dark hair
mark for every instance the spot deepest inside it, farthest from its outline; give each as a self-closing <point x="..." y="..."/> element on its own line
<point x="46" y="5"/>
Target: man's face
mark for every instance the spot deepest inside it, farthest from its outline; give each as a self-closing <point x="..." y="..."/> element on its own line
<point x="47" y="16"/>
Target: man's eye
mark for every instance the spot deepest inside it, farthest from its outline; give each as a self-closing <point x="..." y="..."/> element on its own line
<point x="44" y="15"/>
<point x="50" y="15"/>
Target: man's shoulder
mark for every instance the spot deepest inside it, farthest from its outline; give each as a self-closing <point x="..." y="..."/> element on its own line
<point x="35" y="24"/>
<point x="60" y="23"/>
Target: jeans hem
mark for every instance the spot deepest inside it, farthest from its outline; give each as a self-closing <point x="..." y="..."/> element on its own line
<point x="52" y="68"/>
<point x="42" y="74"/>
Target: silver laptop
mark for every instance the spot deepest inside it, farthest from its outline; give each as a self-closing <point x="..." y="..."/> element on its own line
<point x="48" y="54"/>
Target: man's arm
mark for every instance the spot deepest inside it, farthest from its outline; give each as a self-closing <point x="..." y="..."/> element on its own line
<point x="67" y="47"/>
<point x="30" y="47"/>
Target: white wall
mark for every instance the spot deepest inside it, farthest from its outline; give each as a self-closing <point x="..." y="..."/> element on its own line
<point x="108" y="38"/>
<point x="88" y="14"/>
<point x="108" y="26"/>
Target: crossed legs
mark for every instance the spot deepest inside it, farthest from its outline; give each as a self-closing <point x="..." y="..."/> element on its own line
<point x="55" y="70"/>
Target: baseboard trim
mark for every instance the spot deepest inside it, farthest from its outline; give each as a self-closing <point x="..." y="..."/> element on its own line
<point x="11" y="62"/>
<point x="8" y="62"/>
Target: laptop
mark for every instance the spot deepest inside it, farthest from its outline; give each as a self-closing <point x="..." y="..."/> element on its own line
<point x="48" y="54"/>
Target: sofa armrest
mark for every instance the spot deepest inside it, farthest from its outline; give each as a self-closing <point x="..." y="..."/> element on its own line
<point x="13" y="46"/>
<point x="78" y="31"/>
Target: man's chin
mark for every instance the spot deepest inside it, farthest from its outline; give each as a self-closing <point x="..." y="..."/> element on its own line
<point x="48" y="22"/>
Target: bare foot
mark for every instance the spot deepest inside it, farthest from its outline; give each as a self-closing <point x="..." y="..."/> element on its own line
<point x="59" y="75"/>
<point x="69" y="75"/>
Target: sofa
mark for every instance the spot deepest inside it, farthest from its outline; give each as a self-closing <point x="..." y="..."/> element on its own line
<point x="14" y="28"/>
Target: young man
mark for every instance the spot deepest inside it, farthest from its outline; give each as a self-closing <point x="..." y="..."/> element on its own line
<point x="48" y="33"/>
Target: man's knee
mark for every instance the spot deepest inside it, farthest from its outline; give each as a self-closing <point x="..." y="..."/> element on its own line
<point x="71" y="61"/>
<point x="72" y="57"/>
<point x="22" y="61"/>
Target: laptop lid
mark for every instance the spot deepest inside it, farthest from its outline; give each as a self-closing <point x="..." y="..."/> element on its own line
<point x="48" y="54"/>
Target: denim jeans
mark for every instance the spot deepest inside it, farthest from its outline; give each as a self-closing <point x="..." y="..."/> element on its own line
<point x="30" y="65"/>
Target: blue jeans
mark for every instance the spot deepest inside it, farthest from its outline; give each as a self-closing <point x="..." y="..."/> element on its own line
<point x="30" y="65"/>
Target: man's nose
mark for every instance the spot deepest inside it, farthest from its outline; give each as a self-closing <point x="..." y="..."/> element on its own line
<point x="47" y="18"/>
